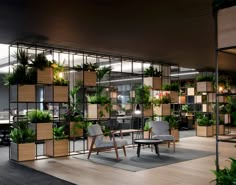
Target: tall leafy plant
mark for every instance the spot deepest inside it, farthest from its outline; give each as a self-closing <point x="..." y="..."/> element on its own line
<point x="142" y="96"/>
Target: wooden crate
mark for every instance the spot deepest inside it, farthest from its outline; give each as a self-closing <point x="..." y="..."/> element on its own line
<point x="146" y="135"/>
<point x="94" y="109"/>
<point x="148" y="112"/>
<point x="45" y="76"/>
<point x="190" y="91"/>
<point x="162" y="110"/>
<point x="207" y="108"/>
<point x="182" y="99"/>
<point x="57" y="148"/>
<point x="60" y="93"/>
<point x="23" y="93"/>
<point x="226" y="118"/>
<point x="175" y="133"/>
<point x="174" y="97"/>
<point x="221" y="129"/>
<point x="204" y="87"/>
<point x="22" y="152"/>
<point x="43" y="130"/>
<point x="75" y="131"/>
<point x="198" y="99"/>
<point x="154" y="82"/>
<point x="89" y="78"/>
<point x="204" y="131"/>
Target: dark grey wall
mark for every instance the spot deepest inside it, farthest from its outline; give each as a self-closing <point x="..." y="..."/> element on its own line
<point x="4" y="95"/>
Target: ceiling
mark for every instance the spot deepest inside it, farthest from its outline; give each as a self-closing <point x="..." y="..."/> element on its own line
<point x="178" y="32"/>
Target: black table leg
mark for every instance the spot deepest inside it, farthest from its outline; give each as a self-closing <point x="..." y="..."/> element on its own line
<point x="157" y="150"/>
<point x="138" y="150"/>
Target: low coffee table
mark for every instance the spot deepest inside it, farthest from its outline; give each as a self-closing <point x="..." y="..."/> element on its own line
<point x="154" y="142"/>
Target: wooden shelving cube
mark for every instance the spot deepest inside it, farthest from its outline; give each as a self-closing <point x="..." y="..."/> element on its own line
<point x="89" y="78"/>
<point x="57" y="148"/>
<point x="154" y="82"/>
<point x="204" y="87"/>
<point x="22" y="152"/>
<point x="162" y="110"/>
<point x="45" y="76"/>
<point x="204" y="131"/>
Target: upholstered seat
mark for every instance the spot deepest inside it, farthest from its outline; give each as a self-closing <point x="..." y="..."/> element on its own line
<point x="160" y="130"/>
<point x="101" y="144"/>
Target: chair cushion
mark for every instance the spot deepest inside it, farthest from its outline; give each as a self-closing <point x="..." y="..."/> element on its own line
<point x="163" y="137"/>
<point x="159" y="127"/>
<point x="119" y="143"/>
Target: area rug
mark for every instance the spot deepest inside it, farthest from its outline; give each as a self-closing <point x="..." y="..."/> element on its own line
<point x="147" y="159"/>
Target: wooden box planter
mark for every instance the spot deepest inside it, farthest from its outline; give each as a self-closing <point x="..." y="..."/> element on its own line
<point x="221" y="129"/>
<point x="207" y="108"/>
<point x="22" y="152"/>
<point x="212" y="98"/>
<point x="175" y="133"/>
<point x="190" y="91"/>
<point x="182" y="99"/>
<point x="146" y="135"/>
<point x="204" y="131"/>
<point x="154" y="82"/>
<point x="89" y="78"/>
<point x="148" y="112"/>
<point x="162" y="110"/>
<point x="23" y="93"/>
<point x="94" y="109"/>
<point x="226" y="118"/>
<point x="75" y="131"/>
<point x="43" y="130"/>
<point x="174" y="97"/>
<point x="45" y="76"/>
<point x="57" y="148"/>
<point x="60" y="93"/>
<point x="198" y="99"/>
<point x="204" y="87"/>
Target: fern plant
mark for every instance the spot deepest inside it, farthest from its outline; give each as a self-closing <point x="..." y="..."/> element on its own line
<point x="38" y="116"/>
<point x="59" y="133"/>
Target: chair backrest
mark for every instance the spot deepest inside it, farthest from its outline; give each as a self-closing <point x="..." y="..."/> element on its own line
<point x="160" y="127"/>
<point x="96" y="130"/>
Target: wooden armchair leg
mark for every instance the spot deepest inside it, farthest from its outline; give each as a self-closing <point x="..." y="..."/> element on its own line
<point x="117" y="155"/>
<point x="168" y="144"/>
<point x="90" y="151"/>
<point x="97" y="152"/>
<point x="124" y="150"/>
<point x="174" y="145"/>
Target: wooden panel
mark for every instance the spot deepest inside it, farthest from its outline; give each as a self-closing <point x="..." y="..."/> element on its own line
<point x="154" y="82"/>
<point x="57" y="148"/>
<point x="221" y="129"/>
<point x="174" y="97"/>
<point x="45" y="76"/>
<point x="94" y="111"/>
<point x="182" y="99"/>
<point x="148" y="112"/>
<point x="26" y="93"/>
<point x="190" y="91"/>
<point x="204" y="131"/>
<point x="23" y="152"/>
<point x="89" y="78"/>
<point x="44" y="131"/>
<point x="75" y="131"/>
<point x="60" y="93"/>
<point x="162" y="110"/>
<point x="198" y="99"/>
<point x="204" y="87"/>
<point x="227" y="27"/>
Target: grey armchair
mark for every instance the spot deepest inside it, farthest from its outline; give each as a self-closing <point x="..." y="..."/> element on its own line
<point x="96" y="133"/>
<point x="160" y="130"/>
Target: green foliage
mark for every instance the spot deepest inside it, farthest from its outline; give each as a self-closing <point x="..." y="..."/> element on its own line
<point x="173" y="121"/>
<point x="96" y="99"/>
<point x="38" y="116"/>
<point x="163" y="98"/>
<point x="147" y="125"/>
<point x="171" y="87"/>
<point x="102" y="71"/>
<point x="22" y="57"/>
<point x="151" y="71"/>
<point x="185" y="108"/>
<point x="226" y="176"/>
<point x="88" y="66"/>
<point x="201" y="78"/>
<point x="203" y="120"/>
<point x="142" y="96"/>
<point x="60" y="82"/>
<point x="22" y="134"/>
<point x="59" y="133"/>
<point x="40" y="61"/>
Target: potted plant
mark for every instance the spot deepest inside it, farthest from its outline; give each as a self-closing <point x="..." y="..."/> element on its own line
<point x="146" y="129"/>
<point x="143" y="97"/>
<point x="87" y="73"/>
<point x="205" y="83"/>
<point x="59" y="146"/>
<point x="161" y="104"/>
<point x="22" y="147"/>
<point x="221" y="127"/>
<point x="22" y="78"/>
<point x="152" y="77"/>
<point x="174" y="125"/>
<point x="173" y="90"/>
<point x="41" y="123"/>
<point x="204" y="126"/>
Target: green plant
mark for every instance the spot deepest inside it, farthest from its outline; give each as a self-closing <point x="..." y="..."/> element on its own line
<point x="142" y="96"/>
<point x="226" y="176"/>
<point x="185" y="108"/>
<point x="201" y="78"/>
<point x="21" y="133"/>
<point x="147" y="125"/>
<point x="171" y="87"/>
<point x="162" y="98"/>
<point x="59" y="133"/>
<point x="203" y="120"/>
<point x="58" y="70"/>
<point x="40" y="62"/>
<point x="88" y="66"/>
<point x="38" y="116"/>
<point x="151" y="71"/>
<point x="102" y="71"/>
<point x="173" y="121"/>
